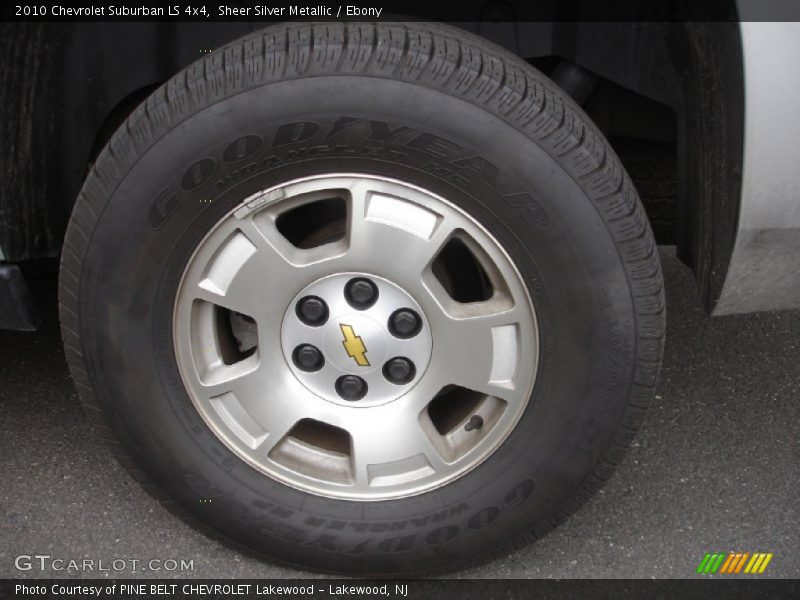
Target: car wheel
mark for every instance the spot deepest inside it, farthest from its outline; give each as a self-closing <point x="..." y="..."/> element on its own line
<point x="364" y="298"/>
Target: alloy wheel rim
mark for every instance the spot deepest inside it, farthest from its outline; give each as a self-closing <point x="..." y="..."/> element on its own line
<point x="242" y="315"/>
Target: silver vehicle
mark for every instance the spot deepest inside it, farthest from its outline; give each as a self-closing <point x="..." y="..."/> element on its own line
<point x="386" y="297"/>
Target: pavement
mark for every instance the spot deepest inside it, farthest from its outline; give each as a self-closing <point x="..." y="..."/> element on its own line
<point x="716" y="467"/>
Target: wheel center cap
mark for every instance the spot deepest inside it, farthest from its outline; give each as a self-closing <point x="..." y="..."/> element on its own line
<point x="355" y="343"/>
<point x="360" y="353"/>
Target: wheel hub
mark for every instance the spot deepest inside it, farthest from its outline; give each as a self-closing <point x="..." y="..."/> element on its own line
<point x="359" y="338"/>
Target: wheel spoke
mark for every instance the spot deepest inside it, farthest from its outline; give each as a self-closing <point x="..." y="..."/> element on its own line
<point x="397" y="449"/>
<point x="289" y="260"/>
<point x="246" y="274"/>
<point x="483" y="351"/>
<point x="392" y="235"/>
<point x="266" y="412"/>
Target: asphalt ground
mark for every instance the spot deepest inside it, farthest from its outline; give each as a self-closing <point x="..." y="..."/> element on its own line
<point x="716" y="466"/>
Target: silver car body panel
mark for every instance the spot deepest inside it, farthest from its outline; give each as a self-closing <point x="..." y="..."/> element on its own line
<point x="764" y="271"/>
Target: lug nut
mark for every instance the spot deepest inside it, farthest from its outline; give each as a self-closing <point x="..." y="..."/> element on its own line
<point x="399" y="370"/>
<point x="351" y="387"/>
<point x="308" y="358"/>
<point x="360" y="293"/>
<point x="404" y="323"/>
<point x="312" y="311"/>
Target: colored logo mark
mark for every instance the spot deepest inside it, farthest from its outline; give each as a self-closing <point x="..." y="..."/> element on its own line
<point x="354" y="345"/>
<point x="734" y="563"/>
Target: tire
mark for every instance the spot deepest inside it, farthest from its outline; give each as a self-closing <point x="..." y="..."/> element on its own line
<point x="437" y="110"/>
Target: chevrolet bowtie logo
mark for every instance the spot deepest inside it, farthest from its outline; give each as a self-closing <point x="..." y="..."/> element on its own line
<point x="354" y="345"/>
